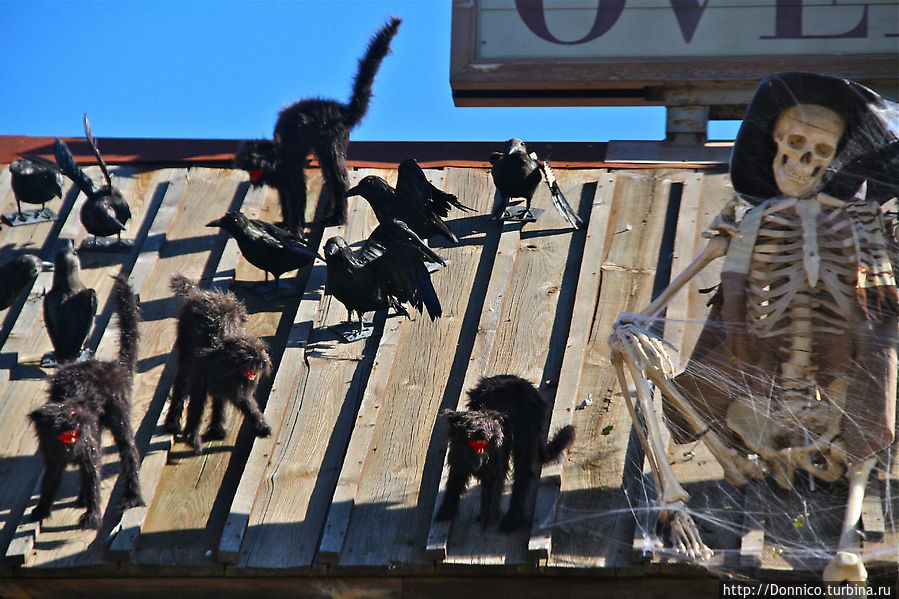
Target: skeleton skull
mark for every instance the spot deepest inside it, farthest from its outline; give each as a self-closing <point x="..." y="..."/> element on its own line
<point x="806" y="136"/>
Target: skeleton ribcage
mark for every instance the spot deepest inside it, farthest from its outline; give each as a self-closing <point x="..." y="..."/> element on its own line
<point x="779" y="282"/>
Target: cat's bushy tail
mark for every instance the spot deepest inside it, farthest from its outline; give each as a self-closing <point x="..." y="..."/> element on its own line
<point x="562" y="440"/>
<point x="378" y="48"/>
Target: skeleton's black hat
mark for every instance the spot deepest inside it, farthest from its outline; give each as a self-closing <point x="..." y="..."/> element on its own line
<point x="868" y="150"/>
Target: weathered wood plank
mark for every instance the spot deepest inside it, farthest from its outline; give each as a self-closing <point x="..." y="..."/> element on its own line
<point x="529" y="342"/>
<point x="497" y="288"/>
<point x="702" y="198"/>
<point x="752" y="542"/>
<point x="594" y="522"/>
<point x="292" y="500"/>
<point x="27" y="388"/>
<point x="73" y="549"/>
<point x="283" y="388"/>
<point x="567" y="399"/>
<point x="128" y="529"/>
<point x="391" y="514"/>
<point x="194" y="251"/>
<point x="39" y="239"/>
<point x="350" y="474"/>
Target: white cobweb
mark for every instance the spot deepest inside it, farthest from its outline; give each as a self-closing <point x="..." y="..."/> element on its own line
<point x="784" y="524"/>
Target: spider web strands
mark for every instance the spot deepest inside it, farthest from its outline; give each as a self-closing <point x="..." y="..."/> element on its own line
<point x="592" y="476"/>
<point x="763" y="528"/>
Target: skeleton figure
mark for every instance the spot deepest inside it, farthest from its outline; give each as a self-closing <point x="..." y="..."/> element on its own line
<point x="796" y="365"/>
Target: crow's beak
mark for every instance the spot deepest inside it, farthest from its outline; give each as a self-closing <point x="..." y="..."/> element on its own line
<point x="46" y="266"/>
<point x="352" y="191"/>
<point x="214" y="223"/>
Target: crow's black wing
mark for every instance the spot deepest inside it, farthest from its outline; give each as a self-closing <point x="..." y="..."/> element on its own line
<point x="397" y="257"/>
<point x="559" y="200"/>
<point x="411" y="184"/>
<point x="93" y="144"/>
<point x="67" y="164"/>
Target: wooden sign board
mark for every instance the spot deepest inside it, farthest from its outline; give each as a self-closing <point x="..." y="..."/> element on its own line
<point x="662" y="52"/>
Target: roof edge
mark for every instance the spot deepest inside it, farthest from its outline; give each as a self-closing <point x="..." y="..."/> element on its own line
<point x="371" y="154"/>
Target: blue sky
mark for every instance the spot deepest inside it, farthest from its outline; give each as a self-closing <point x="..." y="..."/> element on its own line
<point x="224" y="69"/>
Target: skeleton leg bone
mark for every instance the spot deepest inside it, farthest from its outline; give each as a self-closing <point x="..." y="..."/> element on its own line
<point x="671" y="495"/>
<point x="847" y="565"/>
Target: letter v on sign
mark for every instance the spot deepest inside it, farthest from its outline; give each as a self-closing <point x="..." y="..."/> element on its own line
<point x="688" y="13"/>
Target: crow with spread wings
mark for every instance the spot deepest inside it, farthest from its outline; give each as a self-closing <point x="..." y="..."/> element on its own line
<point x="386" y="272"/>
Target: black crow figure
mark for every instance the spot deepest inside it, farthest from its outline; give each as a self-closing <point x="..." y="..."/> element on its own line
<point x="69" y="307"/>
<point x="35" y="180"/>
<point x="323" y="127"/>
<point x="415" y="201"/>
<point x="105" y="211"/>
<point x="388" y="270"/>
<point x="266" y="246"/>
<point x="17" y="276"/>
<point x="516" y="174"/>
<point x="506" y="416"/>
<point x="84" y="398"/>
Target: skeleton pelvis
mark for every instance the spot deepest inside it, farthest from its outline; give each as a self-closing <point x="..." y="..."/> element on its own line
<point x="732" y="380"/>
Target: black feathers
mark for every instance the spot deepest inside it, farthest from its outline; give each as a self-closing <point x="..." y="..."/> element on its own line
<point x="266" y="246"/>
<point x="386" y="272"/>
<point x="17" y="276"/>
<point x="105" y="211"/>
<point x="415" y="201"/>
<point x="69" y="307"/>
<point x="517" y="173"/>
<point x="35" y="180"/>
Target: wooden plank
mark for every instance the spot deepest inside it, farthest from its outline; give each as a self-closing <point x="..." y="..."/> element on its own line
<point x="530" y="343"/>
<point x="292" y="499"/>
<point x="392" y="509"/>
<point x="872" y="512"/>
<point x="283" y="389"/>
<point x="126" y="532"/>
<point x="594" y="521"/>
<point x="497" y="289"/>
<point x="40" y="240"/>
<point x="567" y="399"/>
<point x="27" y="388"/>
<point x="752" y="543"/>
<point x="693" y="464"/>
<point x="188" y="483"/>
<point x="64" y="547"/>
<point x="351" y="473"/>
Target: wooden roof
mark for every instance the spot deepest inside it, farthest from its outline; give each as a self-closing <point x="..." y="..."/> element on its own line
<point x="343" y="491"/>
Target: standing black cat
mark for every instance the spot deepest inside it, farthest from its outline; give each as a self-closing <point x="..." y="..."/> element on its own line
<point x="322" y="126"/>
<point x="506" y="416"/>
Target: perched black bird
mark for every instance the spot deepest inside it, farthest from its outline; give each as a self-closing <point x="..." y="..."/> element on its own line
<point x="517" y="174"/>
<point x="105" y="211"/>
<point x="415" y="201"/>
<point x="266" y="246"/>
<point x="16" y="276"/>
<point x="35" y="180"/>
<point x="386" y="272"/>
<point x="69" y="307"/>
<point x="323" y="127"/>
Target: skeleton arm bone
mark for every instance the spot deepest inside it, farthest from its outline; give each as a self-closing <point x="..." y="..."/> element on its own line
<point x="716" y="248"/>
